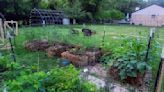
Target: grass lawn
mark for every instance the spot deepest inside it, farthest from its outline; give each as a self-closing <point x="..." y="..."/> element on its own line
<point x="62" y="33"/>
<point x="113" y="34"/>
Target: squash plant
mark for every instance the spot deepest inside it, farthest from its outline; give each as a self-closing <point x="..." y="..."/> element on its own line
<point x="130" y="58"/>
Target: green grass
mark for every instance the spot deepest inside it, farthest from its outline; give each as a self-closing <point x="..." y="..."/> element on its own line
<point x="62" y="33"/>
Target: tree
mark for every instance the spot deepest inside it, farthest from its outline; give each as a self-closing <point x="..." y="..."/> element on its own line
<point x="71" y="8"/>
<point x="91" y="7"/>
<point x="107" y="10"/>
<point x="44" y="4"/>
<point x="16" y="10"/>
<point x="74" y="9"/>
<point x="127" y="6"/>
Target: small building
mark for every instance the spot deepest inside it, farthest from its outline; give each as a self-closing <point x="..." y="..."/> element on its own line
<point x="149" y="16"/>
<point x="45" y="17"/>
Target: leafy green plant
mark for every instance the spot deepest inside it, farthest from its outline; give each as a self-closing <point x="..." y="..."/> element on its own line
<point x="130" y="68"/>
<point x="7" y="64"/>
<point x="66" y="79"/>
<point x="3" y="62"/>
<point x="26" y="82"/>
<point x="60" y="79"/>
<point x="130" y="58"/>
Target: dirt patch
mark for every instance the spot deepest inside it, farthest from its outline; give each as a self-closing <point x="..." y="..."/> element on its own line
<point x="98" y="70"/>
<point x="136" y="81"/>
<point x="93" y="55"/>
<point x="37" y="45"/>
<point x="141" y="83"/>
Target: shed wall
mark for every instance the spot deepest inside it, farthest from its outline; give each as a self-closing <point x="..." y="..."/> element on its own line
<point x="147" y="20"/>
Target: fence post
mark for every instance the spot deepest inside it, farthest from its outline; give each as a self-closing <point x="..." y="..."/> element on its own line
<point x="160" y="74"/>
<point x="152" y="32"/>
<point x="1" y="31"/>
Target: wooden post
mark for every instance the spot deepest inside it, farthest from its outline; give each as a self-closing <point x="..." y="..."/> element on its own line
<point x="160" y="74"/>
<point x="1" y="31"/>
<point x="152" y="32"/>
<point x="16" y="25"/>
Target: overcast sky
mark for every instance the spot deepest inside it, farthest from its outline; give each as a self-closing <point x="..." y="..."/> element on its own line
<point x="145" y="0"/>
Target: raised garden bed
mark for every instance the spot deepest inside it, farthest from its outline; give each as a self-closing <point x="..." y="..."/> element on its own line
<point x="57" y="49"/>
<point x="84" y="58"/>
<point x="37" y="45"/>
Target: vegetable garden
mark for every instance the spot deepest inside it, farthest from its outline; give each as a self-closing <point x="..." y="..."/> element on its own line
<point x="67" y="59"/>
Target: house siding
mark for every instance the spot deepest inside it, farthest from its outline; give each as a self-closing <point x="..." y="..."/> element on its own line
<point x="148" y="18"/>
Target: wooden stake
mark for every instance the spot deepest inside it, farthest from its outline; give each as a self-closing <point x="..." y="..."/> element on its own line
<point x="160" y="74"/>
<point x="1" y="31"/>
<point x="38" y="62"/>
<point x="152" y="32"/>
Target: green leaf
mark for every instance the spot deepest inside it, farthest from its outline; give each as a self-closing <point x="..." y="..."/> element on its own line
<point x="122" y="74"/>
<point x="141" y="66"/>
<point x="132" y="74"/>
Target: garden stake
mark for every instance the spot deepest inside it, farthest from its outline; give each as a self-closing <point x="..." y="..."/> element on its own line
<point x="13" y="33"/>
<point x="152" y="32"/>
<point x="12" y="49"/>
<point x="103" y="40"/>
<point x="38" y="61"/>
<point x="160" y="74"/>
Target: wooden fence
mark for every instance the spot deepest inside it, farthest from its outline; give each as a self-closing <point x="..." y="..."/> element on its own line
<point x="160" y="75"/>
<point x="7" y="26"/>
